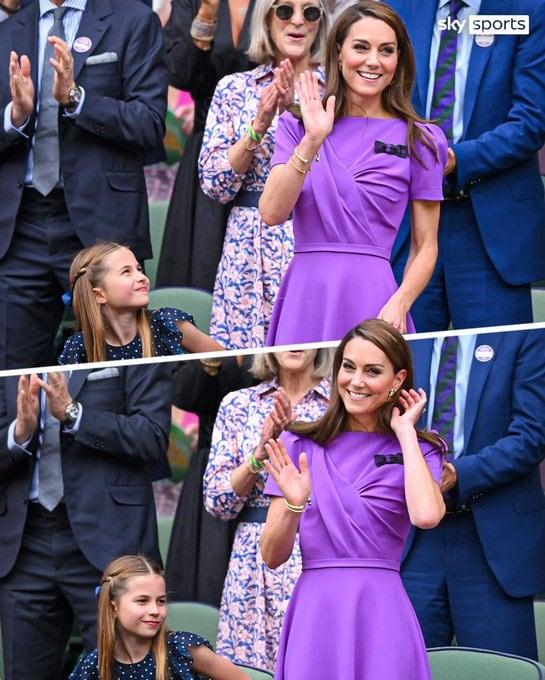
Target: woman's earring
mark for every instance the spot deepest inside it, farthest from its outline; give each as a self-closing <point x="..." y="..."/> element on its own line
<point x="392" y="393"/>
<point x="340" y="66"/>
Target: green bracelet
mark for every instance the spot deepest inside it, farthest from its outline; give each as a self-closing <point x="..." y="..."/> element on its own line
<point x="256" y="464"/>
<point x="254" y="135"/>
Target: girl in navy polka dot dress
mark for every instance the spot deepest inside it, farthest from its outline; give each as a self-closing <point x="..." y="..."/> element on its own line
<point x="133" y="642"/>
<point x="110" y="295"/>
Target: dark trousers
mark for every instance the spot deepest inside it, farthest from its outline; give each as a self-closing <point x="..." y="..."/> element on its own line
<point x="50" y="583"/>
<point x="33" y="277"/>
<point x="466" y="289"/>
<point x="454" y="592"/>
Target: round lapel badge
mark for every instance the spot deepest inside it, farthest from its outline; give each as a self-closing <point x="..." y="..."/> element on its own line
<point x="484" y="40"/>
<point x="82" y="44"/>
<point x="484" y="353"/>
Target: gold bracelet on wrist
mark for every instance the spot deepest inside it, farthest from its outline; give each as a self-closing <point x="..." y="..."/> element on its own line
<point x="250" y="148"/>
<point x="306" y="161"/>
<point x="296" y="167"/>
<point x="298" y="509"/>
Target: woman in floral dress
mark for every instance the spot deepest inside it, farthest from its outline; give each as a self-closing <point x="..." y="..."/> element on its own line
<point x="255" y="597"/>
<point x="234" y="163"/>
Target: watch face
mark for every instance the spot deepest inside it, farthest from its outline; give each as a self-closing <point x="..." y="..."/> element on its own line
<point x="72" y="411"/>
<point x="75" y="95"/>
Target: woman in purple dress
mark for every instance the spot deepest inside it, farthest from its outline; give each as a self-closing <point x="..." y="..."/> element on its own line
<point x="352" y="484"/>
<point x="370" y="155"/>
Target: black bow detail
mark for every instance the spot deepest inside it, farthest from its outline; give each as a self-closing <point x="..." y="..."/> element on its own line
<point x="388" y="459"/>
<point x="399" y="150"/>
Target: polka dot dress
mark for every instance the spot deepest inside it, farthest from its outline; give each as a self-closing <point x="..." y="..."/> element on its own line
<point x="167" y="339"/>
<point x="179" y="658"/>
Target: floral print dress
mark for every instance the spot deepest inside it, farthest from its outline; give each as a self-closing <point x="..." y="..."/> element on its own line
<point x="255" y="256"/>
<point x="254" y="597"/>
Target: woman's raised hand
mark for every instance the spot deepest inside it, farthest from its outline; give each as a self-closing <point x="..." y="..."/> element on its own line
<point x="284" y="81"/>
<point x="317" y="119"/>
<point x="295" y="484"/>
<point x="275" y="422"/>
<point x="413" y="404"/>
<point x="268" y="104"/>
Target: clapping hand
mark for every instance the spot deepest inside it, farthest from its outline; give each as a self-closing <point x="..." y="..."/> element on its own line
<point x="268" y="104"/>
<point x="295" y="484"/>
<point x="28" y="408"/>
<point x="275" y="422"/>
<point x="284" y="81"/>
<point x="412" y="403"/>
<point x="317" y="119"/>
<point x="22" y="89"/>
<point x="63" y="63"/>
<point x="58" y="396"/>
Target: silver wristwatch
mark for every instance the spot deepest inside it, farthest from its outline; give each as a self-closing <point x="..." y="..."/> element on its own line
<point x="75" y="97"/>
<point x="71" y="413"/>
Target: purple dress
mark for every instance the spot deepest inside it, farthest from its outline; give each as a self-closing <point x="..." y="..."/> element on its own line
<point x="345" y="224"/>
<point x="349" y="616"/>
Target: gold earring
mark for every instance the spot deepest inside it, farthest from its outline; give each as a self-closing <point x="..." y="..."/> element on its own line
<point x="392" y="393"/>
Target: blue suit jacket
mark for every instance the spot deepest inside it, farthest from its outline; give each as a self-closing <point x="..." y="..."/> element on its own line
<point x="504" y="127"/>
<point x="504" y="443"/>
<point x="104" y="150"/>
<point x="123" y="431"/>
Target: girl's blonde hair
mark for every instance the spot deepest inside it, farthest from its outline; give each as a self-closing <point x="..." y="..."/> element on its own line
<point x="86" y="273"/>
<point x="115" y="582"/>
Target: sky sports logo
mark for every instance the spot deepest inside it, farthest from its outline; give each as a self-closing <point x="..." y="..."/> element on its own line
<point x="489" y="24"/>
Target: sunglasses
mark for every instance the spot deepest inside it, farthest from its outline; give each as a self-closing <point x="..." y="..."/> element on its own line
<point x="310" y="13"/>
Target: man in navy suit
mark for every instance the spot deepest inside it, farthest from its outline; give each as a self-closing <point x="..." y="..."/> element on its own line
<point x="492" y="228"/>
<point x="107" y="427"/>
<point x="109" y="87"/>
<point x="474" y="575"/>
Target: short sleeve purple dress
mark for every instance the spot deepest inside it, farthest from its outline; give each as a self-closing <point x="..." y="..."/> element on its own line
<point x="345" y="224"/>
<point x="349" y="616"/>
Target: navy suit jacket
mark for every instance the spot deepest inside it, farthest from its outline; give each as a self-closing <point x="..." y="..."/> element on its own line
<point x="504" y="127"/>
<point x="504" y="443"/>
<point x="124" y="430"/>
<point x="122" y="120"/>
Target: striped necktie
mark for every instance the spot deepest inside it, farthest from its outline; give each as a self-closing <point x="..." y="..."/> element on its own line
<point x="442" y="103"/>
<point x="444" y="408"/>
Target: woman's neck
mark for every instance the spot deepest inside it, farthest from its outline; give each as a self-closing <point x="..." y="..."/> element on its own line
<point x="297" y="384"/>
<point x="121" y="328"/>
<point x="372" y="109"/>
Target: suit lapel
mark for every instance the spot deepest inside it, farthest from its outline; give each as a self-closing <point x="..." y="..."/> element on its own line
<point x="478" y="375"/>
<point x="24" y="39"/>
<point x="422" y="33"/>
<point x="76" y="380"/>
<point x="92" y="27"/>
<point x="478" y="61"/>
<point x="422" y="351"/>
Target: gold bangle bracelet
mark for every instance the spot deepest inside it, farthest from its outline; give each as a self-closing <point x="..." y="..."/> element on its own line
<point x="303" y="160"/>
<point x="250" y="148"/>
<point x="298" y="509"/>
<point x="293" y="165"/>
